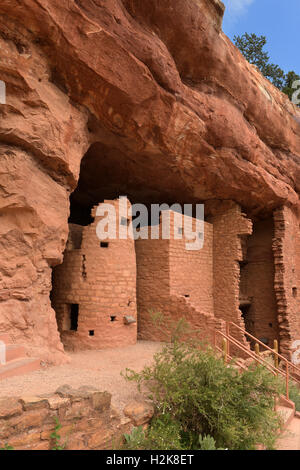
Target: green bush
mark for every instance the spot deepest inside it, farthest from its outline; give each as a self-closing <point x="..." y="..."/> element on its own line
<point x="196" y="394"/>
<point x="207" y="443"/>
<point x="163" y="434"/>
<point x="294" y="392"/>
<point x="7" y="447"/>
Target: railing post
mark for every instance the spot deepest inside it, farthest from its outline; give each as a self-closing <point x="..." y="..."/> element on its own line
<point x="225" y="350"/>
<point x="276" y="362"/>
<point x="256" y="350"/>
<point x="227" y="334"/>
<point x="287" y="380"/>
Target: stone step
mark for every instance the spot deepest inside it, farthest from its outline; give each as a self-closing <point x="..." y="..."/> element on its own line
<point x="290" y="437"/>
<point x="287" y="414"/>
<point x="19" y="367"/>
<point x="14" y="351"/>
<point x="5" y="338"/>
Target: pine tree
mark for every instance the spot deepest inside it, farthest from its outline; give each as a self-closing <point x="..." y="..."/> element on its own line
<point x="252" y="48"/>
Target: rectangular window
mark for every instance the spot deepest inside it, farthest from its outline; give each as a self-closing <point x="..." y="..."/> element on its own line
<point x="74" y="311"/>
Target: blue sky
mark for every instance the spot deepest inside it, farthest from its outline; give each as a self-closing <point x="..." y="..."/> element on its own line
<point x="278" y="20"/>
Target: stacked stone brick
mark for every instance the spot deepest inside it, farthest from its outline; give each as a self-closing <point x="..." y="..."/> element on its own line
<point x="230" y="226"/>
<point x="244" y="272"/>
<point x="100" y="278"/>
<point x="174" y="282"/>
<point x="286" y="253"/>
<point x="86" y="417"/>
<point x="257" y="284"/>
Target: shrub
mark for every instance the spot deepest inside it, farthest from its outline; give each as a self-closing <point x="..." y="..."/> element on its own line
<point x="295" y="395"/>
<point x="207" y="443"/>
<point x="7" y="447"/>
<point x="163" y="434"/>
<point x="56" y="438"/>
<point x="294" y="392"/>
<point x="196" y="394"/>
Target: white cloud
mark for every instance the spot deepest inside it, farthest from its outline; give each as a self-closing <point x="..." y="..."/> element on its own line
<point x="236" y="8"/>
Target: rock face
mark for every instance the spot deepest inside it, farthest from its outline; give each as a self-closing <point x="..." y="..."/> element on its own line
<point x="162" y="107"/>
<point x="139" y="412"/>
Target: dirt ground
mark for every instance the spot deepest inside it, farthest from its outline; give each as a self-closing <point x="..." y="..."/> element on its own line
<point x="100" y="369"/>
<point x="290" y="438"/>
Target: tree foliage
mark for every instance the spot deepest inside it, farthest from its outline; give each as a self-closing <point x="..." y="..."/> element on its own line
<point x="252" y="48"/>
<point x="195" y="394"/>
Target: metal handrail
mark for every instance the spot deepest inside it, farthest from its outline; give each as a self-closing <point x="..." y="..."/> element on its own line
<point x="250" y="353"/>
<point x="262" y="344"/>
<point x="231" y="358"/>
<point x="274" y="370"/>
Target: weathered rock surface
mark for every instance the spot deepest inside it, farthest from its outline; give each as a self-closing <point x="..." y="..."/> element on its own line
<point x="139" y="412"/>
<point x="168" y="107"/>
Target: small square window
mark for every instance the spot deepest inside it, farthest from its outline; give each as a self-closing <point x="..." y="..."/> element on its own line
<point x="91" y="332"/>
<point x="104" y="244"/>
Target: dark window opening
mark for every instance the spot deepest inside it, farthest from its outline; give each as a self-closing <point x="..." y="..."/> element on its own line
<point x="74" y="317"/>
<point x="91" y="332"/>
<point x="83" y="270"/>
<point x="187" y="296"/>
<point x="113" y="318"/>
<point x="265" y="341"/>
<point x="104" y="244"/>
<point x="294" y="292"/>
<point x="271" y="325"/>
<point x="249" y="323"/>
<point x="75" y="236"/>
<point x="80" y="214"/>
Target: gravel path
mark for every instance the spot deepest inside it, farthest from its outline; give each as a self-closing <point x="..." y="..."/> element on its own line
<point x="100" y="369"/>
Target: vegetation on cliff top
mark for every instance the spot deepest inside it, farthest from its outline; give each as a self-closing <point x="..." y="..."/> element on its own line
<point x="252" y="48"/>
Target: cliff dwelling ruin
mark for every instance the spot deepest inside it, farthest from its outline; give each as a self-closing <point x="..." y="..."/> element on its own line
<point x="179" y="116"/>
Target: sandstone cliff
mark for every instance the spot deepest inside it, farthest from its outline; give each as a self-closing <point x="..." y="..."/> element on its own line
<point x="157" y="97"/>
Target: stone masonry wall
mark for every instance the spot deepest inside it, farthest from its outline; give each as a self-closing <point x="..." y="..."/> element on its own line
<point x="200" y="323"/>
<point x="87" y="420"/>
<point x="286" y="254"/>
<point x="229" y="224"/>
<point x="176" y="283"/>
<point x="191" y="272"/>
<point x="153" y="282"/>
<point x="257" y="283"/>
<point x="101" y="279"/>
